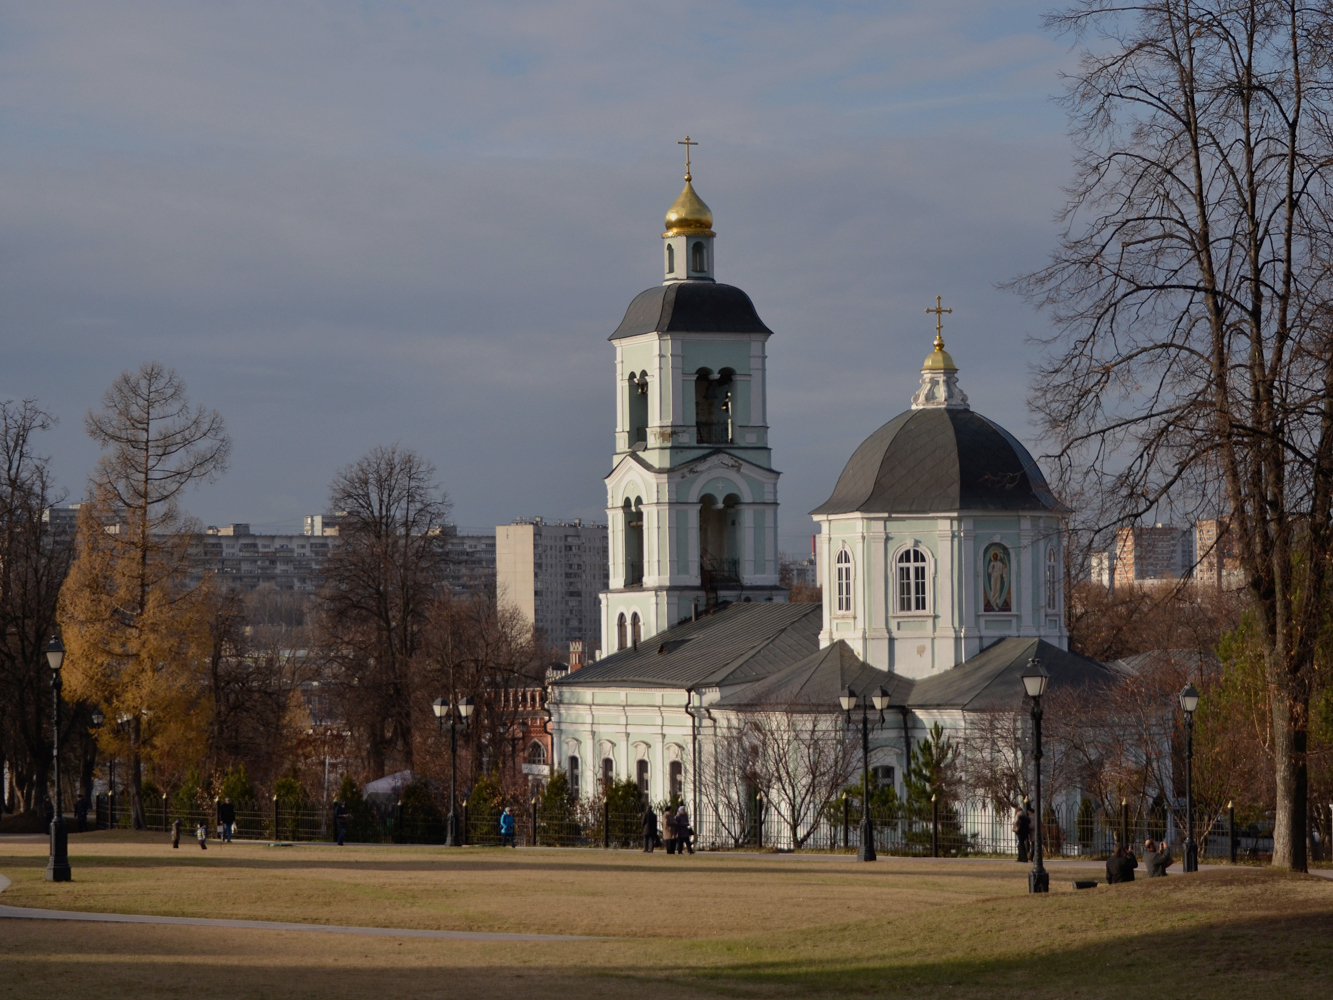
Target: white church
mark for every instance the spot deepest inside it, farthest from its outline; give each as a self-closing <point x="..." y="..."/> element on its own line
<point x="938" y="551"/>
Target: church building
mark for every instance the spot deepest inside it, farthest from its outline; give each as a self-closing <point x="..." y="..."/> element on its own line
<point x="939" y="552"/>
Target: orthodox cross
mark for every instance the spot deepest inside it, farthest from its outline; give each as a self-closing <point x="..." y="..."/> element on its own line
<point x="687" y="144"/>
<point x="939" y="312"/>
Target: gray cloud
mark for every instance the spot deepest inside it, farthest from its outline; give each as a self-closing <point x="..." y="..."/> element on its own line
<point x="347" y="225"/>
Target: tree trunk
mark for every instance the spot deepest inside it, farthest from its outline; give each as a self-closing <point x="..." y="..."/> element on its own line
<point x="137" y="818"/>
<point x="1290" y="741"/>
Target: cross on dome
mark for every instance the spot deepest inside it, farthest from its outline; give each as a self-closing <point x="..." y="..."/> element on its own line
<point x="687" y="143"/>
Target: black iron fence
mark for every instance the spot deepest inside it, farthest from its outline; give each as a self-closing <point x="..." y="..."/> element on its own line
<point x="941" y="829"/>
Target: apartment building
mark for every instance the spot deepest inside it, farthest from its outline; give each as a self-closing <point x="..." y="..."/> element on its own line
<point x="554" y="573"/>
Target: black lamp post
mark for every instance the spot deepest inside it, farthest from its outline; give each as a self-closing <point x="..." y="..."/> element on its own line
<point x="442" y="710"/>
<point x="1189" y="703"/>
<point x="1035" y="680"/>
<point x="57" y="867"/>
<point x="848" y="699"/>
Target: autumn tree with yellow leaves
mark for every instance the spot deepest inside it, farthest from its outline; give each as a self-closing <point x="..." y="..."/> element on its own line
<point x="135" y="624"/>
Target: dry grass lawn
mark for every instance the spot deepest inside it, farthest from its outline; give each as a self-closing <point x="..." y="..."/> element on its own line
<point x="708" y="926"/>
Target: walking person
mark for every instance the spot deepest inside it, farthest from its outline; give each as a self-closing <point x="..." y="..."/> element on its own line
<point x="81" y="813"/>
<point x="684" y="835"/>
<point x="227" y="817"/>
<point x="669" y="834"/>
<point x="1022" y="833"/>
<point x="649" y="827"/>
<point x="176" y="834"/>
<point x="48" y="813"/>
<point x="339" y="821"/>
<point x="201" y="835"/>
<point x="507" y="828"/>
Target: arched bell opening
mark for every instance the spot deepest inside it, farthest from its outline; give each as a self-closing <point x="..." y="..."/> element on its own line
<point x="633" y="516"/>
<point x="637" y="387"/>
<point x="719" y="540"/>
<point x="713" y="406"/>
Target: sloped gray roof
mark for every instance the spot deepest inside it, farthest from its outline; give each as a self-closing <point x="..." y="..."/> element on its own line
<point x="994" y="677"/>
<point x="816" y="682"/>
<point x="690" y="307"/>
<point x="740" y="643"/>
<point x="935" y="459"/>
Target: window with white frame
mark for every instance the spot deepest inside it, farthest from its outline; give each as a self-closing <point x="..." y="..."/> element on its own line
<point x="844" y="577"/>
<point x="1052" y="580"/>
<point x="912" y="566"/>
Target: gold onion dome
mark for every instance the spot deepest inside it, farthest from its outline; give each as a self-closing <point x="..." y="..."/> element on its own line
<point x="689" y="214"/>
<point x="940" y="361"/>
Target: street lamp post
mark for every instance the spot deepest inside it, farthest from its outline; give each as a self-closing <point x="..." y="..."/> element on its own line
<point x="442" y="710"/>
<point x="1189" y="703"/>
<point x="57" y="867"/>
<point x="1035" y="680"/>
<point x="848" y="700"/>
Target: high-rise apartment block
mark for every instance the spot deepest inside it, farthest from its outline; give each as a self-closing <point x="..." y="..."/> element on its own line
<point x="554" y="574"/>
<point x="1162" y="553"/>
<point x="243" y="559"/>
<point x="1218" y="562"/>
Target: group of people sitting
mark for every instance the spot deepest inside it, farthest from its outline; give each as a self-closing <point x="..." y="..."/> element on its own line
<point x="675" y="834"/>
<point x="1122" y="862"/>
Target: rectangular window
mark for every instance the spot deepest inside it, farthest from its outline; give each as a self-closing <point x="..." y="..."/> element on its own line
<point x="904" y="588"/>
<point x="919" y="587"/>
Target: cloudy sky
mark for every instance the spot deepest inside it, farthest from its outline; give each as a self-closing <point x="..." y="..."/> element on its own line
<point x="347" y="224"/>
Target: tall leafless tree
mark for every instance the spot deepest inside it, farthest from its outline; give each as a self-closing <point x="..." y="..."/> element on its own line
<point x="802" y="759"/>
<point x="380" y="583"/>
<point x="1193" y="367"/>
<point x="33" y="562"/>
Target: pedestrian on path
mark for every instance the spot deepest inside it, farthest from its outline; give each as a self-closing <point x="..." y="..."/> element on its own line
<point x="81" y="814"/>
<point x="669" y="834"/>
<point x="507" y="828"/>
<point x="227" y="817"/>
<point x="1023" y="832"/>
<point x="48" y="813"/>
<point x="684" y="835"/>
<point x="176" y="834"/>
<point x="201" y="834"/>
<point x="339" y="821"/>
<point x="649" y="827"/>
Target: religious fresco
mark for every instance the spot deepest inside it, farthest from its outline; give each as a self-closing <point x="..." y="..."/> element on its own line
<point x="996" y="578"/>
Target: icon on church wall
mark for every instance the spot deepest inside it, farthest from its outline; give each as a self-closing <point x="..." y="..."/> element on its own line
<point x="995" y="579"/>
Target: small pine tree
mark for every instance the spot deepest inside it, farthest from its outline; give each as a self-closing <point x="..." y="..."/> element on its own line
<point x="930" y="770"/>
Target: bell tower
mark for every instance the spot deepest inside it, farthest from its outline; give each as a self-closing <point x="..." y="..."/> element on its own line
<point x="692" y="494"/>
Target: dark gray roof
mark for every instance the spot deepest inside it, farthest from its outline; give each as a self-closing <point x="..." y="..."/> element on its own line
<point x="690" y="307"/>
<point x="994" y="677"/>
<point x="817" y="681"/>
<point x="740" y="643"/>
<point x="934" y="459"/>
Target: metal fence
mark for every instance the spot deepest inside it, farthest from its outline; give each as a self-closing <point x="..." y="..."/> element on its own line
<point x="941" y="829"/>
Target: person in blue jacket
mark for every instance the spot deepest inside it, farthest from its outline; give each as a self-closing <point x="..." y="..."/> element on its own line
<point x="507" y="828"/>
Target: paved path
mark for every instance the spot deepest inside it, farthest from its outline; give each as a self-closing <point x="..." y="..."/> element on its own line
<point x="28" y="913"/>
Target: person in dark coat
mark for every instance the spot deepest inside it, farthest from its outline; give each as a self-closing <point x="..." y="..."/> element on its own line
<point x="1023" y="833"/>
<point x="48" y="813"/>
<point x="684" y="834"/>
<point x="176" y="834"/>
<point x="1120" y="865"/>
<point x="339" y="821"/>
<point x="1157" y="859"/>
<point x="649" y="827"/>
<point x="81" y="814"/>
<point x="227" y="817"/>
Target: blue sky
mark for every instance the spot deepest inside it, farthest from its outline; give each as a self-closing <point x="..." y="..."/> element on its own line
<point x="347" y="224"/>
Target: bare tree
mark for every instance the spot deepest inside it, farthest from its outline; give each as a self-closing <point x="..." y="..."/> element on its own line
<point x="135" y="620"/>
<point x="33" y="562"/>
<point x="379" y="586"/>
<point x="1193" y="369"/>
<point x="802" y="760"/>
<point x="726" y="768"/>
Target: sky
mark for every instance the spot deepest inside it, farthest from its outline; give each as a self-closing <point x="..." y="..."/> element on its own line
<point x="351" y="224"/>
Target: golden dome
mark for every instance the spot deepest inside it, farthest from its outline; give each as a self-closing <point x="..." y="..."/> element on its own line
<point x="940" y="361"/>
<point x="689" y="214"/>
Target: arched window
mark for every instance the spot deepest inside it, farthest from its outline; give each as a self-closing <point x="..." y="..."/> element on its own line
<point x="633" y="542"/>
<point x="677" y="774"/>
<point x="608" y="770"/>
<point x="1052" y="580"/>
<point x="912" y="580"/>
<point x="697" y="257"/>
<point x="573" y="771"/>
<point x="844" y="577"/>
<point x="621" y="640"/>
<point x="536" y="753"/>
<point x="671" y="259"/>
<point x="642" y="769"/>
<point x="635" y="629"/>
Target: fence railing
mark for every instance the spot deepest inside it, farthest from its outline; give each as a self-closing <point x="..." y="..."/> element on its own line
<point x="944" y="829"/>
